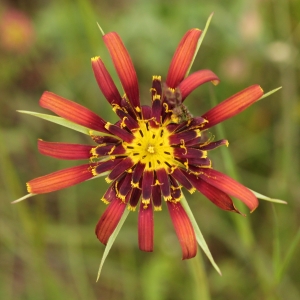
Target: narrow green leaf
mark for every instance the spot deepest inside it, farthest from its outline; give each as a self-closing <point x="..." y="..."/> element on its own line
<point x="111" y="240"/>
<point x="263" y="197"/>
<point x="269" y="93"/>
<point x="62" y="122"/>
<point x="199" y="236"/>
<point x="200" y="42"/>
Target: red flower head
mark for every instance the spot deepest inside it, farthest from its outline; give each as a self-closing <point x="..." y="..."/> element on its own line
<point x="153" y="151"/>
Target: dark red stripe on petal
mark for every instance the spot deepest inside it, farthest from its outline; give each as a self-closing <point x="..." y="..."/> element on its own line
<point x="105" y="82"/>
<point x="184" y="230"/>
<point x="119" y="132"/>
<point x="60" y="179"/>
<point x="230" y="187"/>
<point x="64" y="150"/>
<point x="233" y="105"/>
<point x="146" y="227"/>
<point x="183" y="57"/>
<point x="196" y="79"/>
<point x="124" y="67"/>
<point x="109" y="220"/>
<point x="72" y="111"/>
<point x="164" y="182"/>
<point x="123" y="166"/>
<point x="147" y="183"/>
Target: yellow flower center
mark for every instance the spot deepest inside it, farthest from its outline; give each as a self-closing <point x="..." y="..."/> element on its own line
<point x="151" y="147"/>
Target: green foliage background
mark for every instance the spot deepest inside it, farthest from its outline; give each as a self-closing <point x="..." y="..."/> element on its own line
<point x="47" y="246"/>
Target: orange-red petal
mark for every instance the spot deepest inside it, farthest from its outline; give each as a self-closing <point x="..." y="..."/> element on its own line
<point x="72" y="111"/>
<point x="230" y="187"/>
<point x="183" y="57"/>
<point x="232" y="106"/>
<point x="60" y="179"/>
<point x="124" y="67"/>
<point x="184" y="229"/>
<point x="146" y="227"/>
<point x="65" y="150"/>
<point x="196" y="79"/>
<point x="109" y="220"/>
<point x="105" y="82"/>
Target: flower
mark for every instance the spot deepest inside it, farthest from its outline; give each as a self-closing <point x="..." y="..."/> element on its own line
<point x="153" y="151"/>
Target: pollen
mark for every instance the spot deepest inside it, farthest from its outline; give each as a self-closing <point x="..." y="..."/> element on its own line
<point x="151" y="149"/>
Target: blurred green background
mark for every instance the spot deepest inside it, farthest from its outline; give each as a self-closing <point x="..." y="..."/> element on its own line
<point x="47" y="244"/>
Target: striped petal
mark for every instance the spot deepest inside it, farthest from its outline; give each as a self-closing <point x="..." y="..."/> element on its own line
<point x="105" y="82"/>
<point x="232" y="106"/>
<point x="184" y="229"/>
<point x="230" y="187"/>
<point x="196" y="79"/>
<point x="124" y="67"/>
<point x="65" y="150"/>
<point x="60" y="179"/>
<point x="183" y="57"/>
<point x="146" y="227"/>
<point x="72" y="111"/>
<point x="109" y="220"/>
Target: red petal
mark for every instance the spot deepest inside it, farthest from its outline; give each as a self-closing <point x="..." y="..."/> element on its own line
<point x="105" y="82"/>
<point x="60" y="179"/>
<point x="215" y="195"/>
<point x="232" y="106"/>
<point x="196" y="79"/>
<point x="146" y="227"/>
<point x="230" y="187"/>
<point x="65" y="150"/>
<point x="109" y="220"/>
<point x="183" y="57"/>
<point x="72" y="111"/>
<point x="184" y="229"/>
<point x="124" y="67"/>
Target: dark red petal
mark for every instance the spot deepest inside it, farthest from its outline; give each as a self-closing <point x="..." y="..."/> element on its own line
<point x="110" y="194"/>
<point x="156" y="197"/>
<point x="184" y="229"/>
<point x="64" y="150"/>
<point x="123" y="166"/>
<point x="119" y="132"/>
<point x="233" y="105"/>
<point x="105" y="82"/>
<point x="163" y="179"/>
<point x="109" y="150"/>
<point x="134" y="198"/>
<point x="124" y="67"/>
<point x="109" y="220"/>
<point x="230" y="187"/>
<point x="106" y="166"/>
<point x="146" y="227"/>
<point x="72" y="111"/>
<point x="125" y="187"/>
<point x="188" y="153"/>
<point x="137" y="174"/>
<point x="215" y="195"/>
<point x="196" y="79"/>
<point x="214" y="145"/>
<point x="184" y="136"/>
<point x="183" y="57"/>
<point x="147" y="185"/>
<point x="183" y="180"/>
<point x="60" y="179"/>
